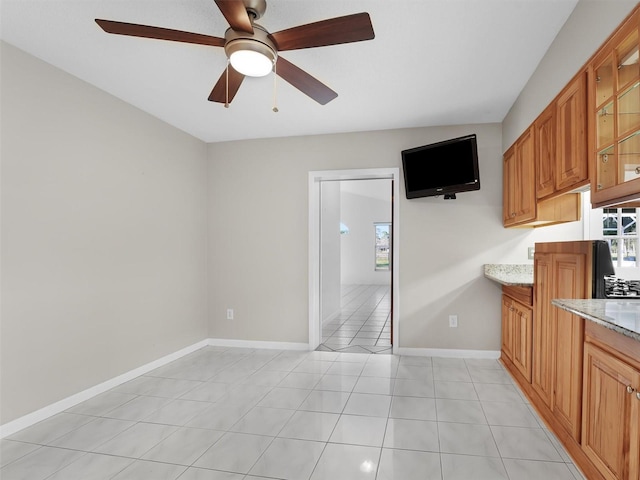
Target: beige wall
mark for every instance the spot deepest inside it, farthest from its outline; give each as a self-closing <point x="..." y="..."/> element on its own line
<point x="103" y="236"/>
<point x="590" y="24"/>
<point x="363" y="203"/>
<point x="259" y="238"/>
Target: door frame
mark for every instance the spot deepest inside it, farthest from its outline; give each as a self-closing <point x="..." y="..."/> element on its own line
<point x="315" y="179"/>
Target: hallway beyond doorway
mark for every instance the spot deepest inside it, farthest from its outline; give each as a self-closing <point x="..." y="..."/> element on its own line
<point x="364" y="322"/>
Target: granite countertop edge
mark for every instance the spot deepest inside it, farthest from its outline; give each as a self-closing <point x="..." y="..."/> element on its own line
<point x="594" y="310"/>
<point x="512" y="275"/>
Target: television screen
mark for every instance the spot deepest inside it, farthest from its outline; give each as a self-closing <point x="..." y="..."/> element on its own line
<point x="443" y="168"/>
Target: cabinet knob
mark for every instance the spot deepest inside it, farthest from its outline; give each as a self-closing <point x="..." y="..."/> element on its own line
<point x="513" y="215"/>
<point x="630" y="389"/>
<point x="638" y="395"/>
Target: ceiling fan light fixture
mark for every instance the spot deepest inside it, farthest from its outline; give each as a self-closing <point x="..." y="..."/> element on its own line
<point x="251" y="57"/>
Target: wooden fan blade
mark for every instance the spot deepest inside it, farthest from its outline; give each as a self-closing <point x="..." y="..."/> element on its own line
<point x="219" y="92"/>
<point x="134" y="30"/>
<point x="304" y="82"/>
<point x="236" y="14"/>
<point x="347" y="29"/>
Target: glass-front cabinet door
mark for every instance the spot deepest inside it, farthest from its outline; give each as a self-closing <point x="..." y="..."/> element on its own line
<point x="614" y="102"/>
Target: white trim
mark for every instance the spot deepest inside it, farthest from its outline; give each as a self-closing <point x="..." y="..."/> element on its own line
<point x="315" y="177"/>
<point x="66" y="403"/>
<point x="314" y="262"/>
<point x="230" y="342"/>
<point x="447" y="353"/>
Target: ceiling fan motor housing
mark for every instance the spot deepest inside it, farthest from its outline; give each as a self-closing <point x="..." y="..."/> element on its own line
<point x="258" y="42"/>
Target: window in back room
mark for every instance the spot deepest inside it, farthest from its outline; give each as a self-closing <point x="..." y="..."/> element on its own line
<point x="383" y="238"/>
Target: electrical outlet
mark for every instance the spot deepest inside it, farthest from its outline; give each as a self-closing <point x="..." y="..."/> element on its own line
<point x="530" y="252"/>
<point x="229" y="313"/>
<point x="453" y="321"/>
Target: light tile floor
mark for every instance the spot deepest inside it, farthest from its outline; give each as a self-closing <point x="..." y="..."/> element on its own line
<point x="240" y="414"/>
<point x="364" y="322"/>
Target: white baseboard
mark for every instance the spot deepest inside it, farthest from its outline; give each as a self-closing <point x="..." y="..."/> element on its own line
<point x="230" y="342"/>
<point x="447" y="353"/>
<point x="27" y="420"/>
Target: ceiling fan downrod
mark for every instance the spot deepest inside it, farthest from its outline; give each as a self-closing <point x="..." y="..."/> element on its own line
<point x="255" y="8"/>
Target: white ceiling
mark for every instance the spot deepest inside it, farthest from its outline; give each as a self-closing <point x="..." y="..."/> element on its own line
<point x="433" y="62"/>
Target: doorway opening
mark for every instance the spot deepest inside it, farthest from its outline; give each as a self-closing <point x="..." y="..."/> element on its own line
<point x="353" y="260"/>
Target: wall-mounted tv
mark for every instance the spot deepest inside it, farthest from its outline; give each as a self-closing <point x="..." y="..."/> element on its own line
<point x="443" y="168"/>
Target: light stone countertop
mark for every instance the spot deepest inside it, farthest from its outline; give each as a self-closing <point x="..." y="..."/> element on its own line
<point x="622" y="316"/>
<point x="518" y="275"/>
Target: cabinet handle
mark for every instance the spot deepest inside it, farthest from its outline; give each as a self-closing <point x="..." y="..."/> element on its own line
<point x="630" y="389"/>
<point x="638" y="395"/>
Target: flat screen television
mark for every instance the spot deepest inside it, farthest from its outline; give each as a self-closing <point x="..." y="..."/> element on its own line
<point x="443" y="168"/>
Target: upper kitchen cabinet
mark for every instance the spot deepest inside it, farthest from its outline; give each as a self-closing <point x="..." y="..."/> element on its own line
<point x="548" y="161"/>
<point x="520" y="205"/>
<point x="571" y="141"/>
<point x="518" y="189"/>
<point x="545" y="139"/>
<point x="614" y="116"/>
<point x="561" y="142"/>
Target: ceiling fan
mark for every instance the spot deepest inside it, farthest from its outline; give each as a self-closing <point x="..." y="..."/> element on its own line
<point x="253" y="51"/>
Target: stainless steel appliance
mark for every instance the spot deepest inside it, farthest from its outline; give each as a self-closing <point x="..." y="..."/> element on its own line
<point x="605" y="283"/>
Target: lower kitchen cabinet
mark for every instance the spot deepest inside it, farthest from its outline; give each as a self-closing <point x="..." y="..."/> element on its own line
<point x="542" y="364"/>
<point x="559" y="272"/>
<point x="568" y="333"/>
<point x="582" y="378"/>
<point x="611" y="414"/>
<point x="516" y="328"/>
<point x="507" y="328"/>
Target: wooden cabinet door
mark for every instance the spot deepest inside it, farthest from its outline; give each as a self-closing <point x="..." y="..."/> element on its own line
<point x="509" y="187"/>
<point x="516" y="334"/>
<point x="507" y="327"/>
<point x="518" y="186"/>
<point x="610" y="436"/>
<point x="571" y="163"/>
<point x="542" y="341"/>
<point x="545" y="145"/>
<point x="568" y="335"/>
<point x="521" y="351"/>
<point x="525" y="178"/>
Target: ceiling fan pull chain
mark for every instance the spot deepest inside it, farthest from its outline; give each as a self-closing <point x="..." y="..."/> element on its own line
<point x="226" y="103"/>
<point x="275" y="90"/>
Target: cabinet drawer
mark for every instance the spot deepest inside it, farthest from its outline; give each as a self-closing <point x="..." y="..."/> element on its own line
<point x="522" y="294"/>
